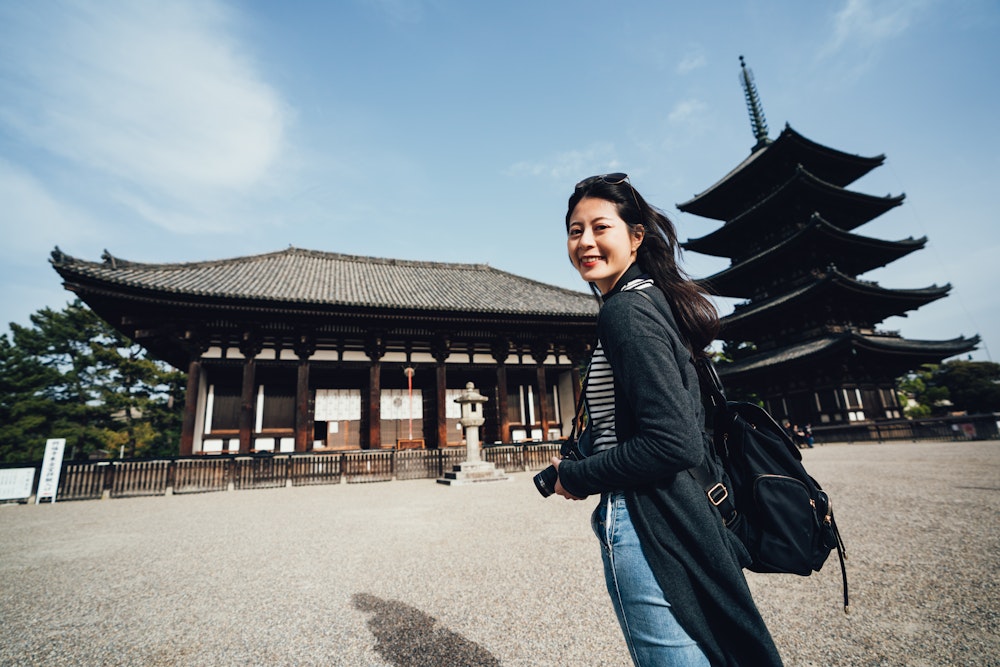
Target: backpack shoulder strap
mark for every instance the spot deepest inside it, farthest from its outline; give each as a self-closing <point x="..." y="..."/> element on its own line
<point x="710" y="382"/>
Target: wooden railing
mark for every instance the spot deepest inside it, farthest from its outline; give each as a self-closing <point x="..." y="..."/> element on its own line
<point x="201" y="475"/>
<point x="80" y="481"/>
<point x="260" y="472"/>
<point x="973" y="427"/>
<point x="368" y="466"/>
<point x="122" y="478"/>
<point x="139" y="478"/>
<point x="307" y="470"/>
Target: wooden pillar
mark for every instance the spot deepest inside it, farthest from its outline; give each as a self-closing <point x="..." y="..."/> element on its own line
<point x="190" y="405"/>
<point x="442" y="406"/>
<point x="375" y="349"/>
<point x="503" y="419"/>
<point x="543" y="402"/>
<point x="250" y="346"/>
<point x="501" y="350"/>
<point x="303" y="424"/>
<point x="304" y="347"/>
<point x="440" y="349"/>
<point x="248" y="405"/>
<point x="540" y="351"/>
<point x="375" y="405"/>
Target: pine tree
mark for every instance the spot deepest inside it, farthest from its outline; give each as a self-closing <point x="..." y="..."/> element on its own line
<point x="72" y="376"/>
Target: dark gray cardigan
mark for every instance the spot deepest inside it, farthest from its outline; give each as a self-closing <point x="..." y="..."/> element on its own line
<point x="658" y="419"/>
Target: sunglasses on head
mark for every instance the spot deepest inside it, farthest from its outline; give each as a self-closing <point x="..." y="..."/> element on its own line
<point x="611" y="179"/>
<point x="616" y="178"/>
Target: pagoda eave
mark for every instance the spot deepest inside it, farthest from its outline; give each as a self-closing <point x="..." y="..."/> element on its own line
<point x="891" y="353"/>
<point x="757" y="173"/>
<point x="800" y="198"/>
<point x="822" y="299"/>
<point x="846" y="209"/>
<point x="858" y="254"/>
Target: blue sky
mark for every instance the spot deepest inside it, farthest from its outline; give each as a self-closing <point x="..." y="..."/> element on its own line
<point x="447" y="130"/>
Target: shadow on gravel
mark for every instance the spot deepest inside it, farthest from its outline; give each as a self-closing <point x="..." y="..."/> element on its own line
<point x="407" y="637"/>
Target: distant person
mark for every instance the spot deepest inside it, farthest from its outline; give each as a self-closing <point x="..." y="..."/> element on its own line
<point x="672" y="568"/>
<point x="795" y="433"/>
<point x="798" y="436"/>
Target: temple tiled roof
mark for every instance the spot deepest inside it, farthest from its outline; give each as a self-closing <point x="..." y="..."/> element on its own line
<point x="309" y="277"/>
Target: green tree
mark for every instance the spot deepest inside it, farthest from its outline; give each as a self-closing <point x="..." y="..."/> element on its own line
<point x="733" y="351"/>
<point x="140" y="394"/>
<point x="736" y="350"/>
<point x="934" y="390"/>
<point x="72" y="376"/>
<point x="59" y="344"/>
<point x="24" y="412"/>
<point x="974" y="386"/>
<point x="921" y="395"/>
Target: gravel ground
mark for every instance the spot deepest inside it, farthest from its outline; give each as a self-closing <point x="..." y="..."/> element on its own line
<point x="414" y="573"/>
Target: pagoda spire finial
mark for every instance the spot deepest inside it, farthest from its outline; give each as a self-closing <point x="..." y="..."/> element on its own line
<point x="757" y="121"/>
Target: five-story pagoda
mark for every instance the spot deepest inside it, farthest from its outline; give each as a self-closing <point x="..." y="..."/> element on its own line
<point x="805" y="338"/>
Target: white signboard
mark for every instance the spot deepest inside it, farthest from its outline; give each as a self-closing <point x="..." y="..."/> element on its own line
<point x="333" y="405"/>
<point x="16" y="483"/>
<point x="400" y="404"/>
<point x="48" y="483"/>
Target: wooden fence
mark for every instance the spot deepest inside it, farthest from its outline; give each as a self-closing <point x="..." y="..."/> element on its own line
<point x="221" y="472"/>
<point x="973" y="427"/>
<point x="121" y="478"/>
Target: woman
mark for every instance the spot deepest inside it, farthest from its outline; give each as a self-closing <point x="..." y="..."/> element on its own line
<point x="673" y="570"/>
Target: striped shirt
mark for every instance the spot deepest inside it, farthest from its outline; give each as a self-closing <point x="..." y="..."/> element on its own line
<point x="601" y="390"/>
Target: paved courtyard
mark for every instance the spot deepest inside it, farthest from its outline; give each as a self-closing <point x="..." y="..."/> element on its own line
<point x="413" y="573"/>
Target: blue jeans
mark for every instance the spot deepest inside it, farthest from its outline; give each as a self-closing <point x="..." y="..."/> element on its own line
<point x="654" y="637"/>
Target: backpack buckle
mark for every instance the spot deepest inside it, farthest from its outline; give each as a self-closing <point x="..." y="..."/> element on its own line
<point x="718" y="494"/>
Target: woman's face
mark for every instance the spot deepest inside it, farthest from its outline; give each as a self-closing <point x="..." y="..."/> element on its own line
<point x="600" y="244"/>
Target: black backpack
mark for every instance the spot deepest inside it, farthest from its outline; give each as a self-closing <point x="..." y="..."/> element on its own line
<point x="779" y="512"/>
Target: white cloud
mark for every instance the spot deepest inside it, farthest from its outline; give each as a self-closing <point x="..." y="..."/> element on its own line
<point x="156" y="97"/>
<point x="597" y="158"/>
<point x="34" y="218"/>
<point x="868" y="23"/>
<point x="687" y="111"/>
<point x="691" y="62"/>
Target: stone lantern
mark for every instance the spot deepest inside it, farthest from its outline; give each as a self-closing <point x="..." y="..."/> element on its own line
<point x="472" y="418"/>
<point x="473" y="469"/>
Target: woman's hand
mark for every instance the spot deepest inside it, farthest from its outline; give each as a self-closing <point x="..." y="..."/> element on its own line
<point x="559" y="487"/>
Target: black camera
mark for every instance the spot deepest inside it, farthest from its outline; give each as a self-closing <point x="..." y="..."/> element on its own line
<point x="545" y="481"/>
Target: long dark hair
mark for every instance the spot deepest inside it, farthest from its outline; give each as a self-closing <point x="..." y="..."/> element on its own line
<point x="658" y="256"/>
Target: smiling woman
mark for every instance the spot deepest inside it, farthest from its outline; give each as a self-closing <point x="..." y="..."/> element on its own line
<point x="672" y="569"/>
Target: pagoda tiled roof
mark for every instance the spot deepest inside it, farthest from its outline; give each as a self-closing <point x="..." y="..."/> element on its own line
<point x="297" y="276"/>
<point x="900" y="352"/>
<point x="765" y="167"/>
<point x="836" y="295"/>
<point x="793" y="202"/>
<point x="855" y="254"/>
